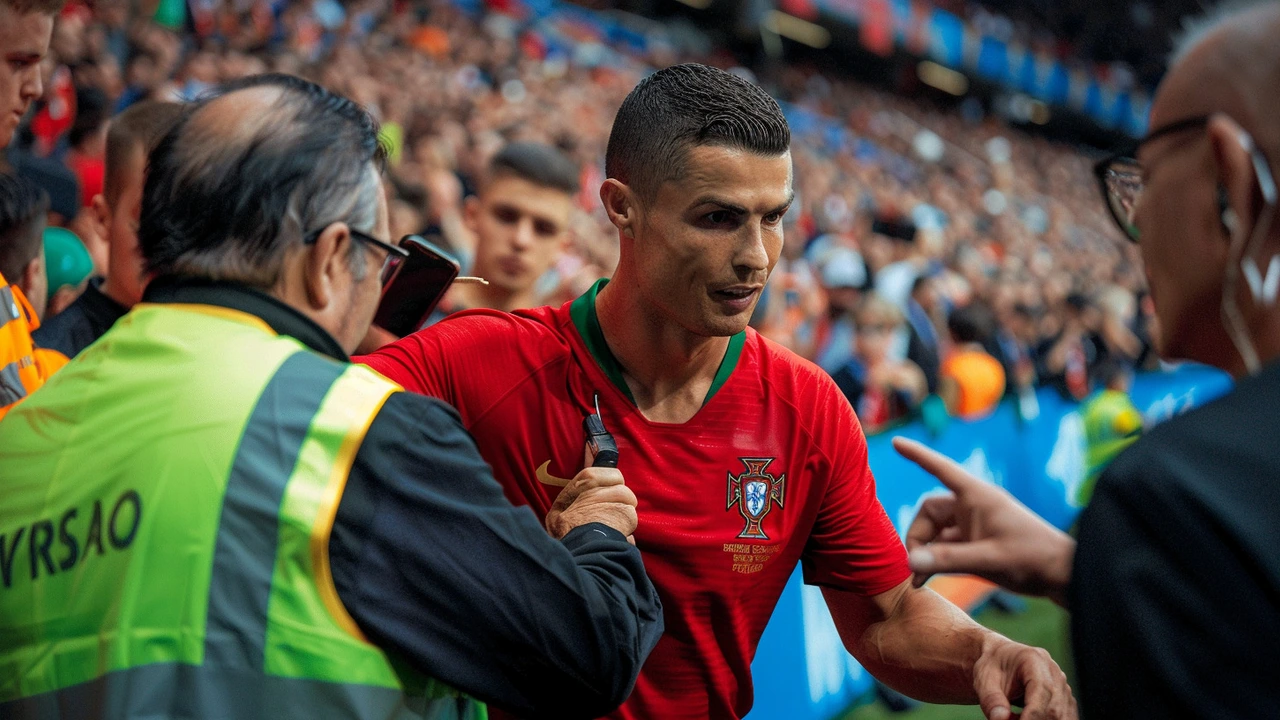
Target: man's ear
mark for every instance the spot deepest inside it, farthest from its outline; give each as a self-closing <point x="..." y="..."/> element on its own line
<point x="31" y="274"/>
<point x="1240" y="193"/>
<point x="326" y="267"/>
<point x="100" y="211"/>
<point x="620" y="204"/>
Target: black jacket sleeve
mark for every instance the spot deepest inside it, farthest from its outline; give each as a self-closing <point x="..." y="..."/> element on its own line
<point x="437" y="566"/>
<point x="1175" y="586"/>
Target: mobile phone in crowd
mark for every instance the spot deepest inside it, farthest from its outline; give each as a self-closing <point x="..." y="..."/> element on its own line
<point x="413" y="291"/>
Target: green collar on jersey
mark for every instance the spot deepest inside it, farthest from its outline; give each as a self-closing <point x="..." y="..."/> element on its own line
<point x="583" y="313"/>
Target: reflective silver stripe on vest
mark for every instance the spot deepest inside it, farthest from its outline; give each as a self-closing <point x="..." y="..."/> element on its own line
<point x="9" y="309"/>
<point x="11" y="388"/>
<point x="189" y="692"/>
<point x="244" y="554"/>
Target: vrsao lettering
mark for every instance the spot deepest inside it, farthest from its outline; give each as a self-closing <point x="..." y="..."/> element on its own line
<point x="122" y="525"/>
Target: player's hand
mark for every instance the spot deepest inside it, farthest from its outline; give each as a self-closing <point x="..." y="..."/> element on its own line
<point x="982" y="530"/>
<point x="594" y="495"/>
<point x="1010" y="673"/>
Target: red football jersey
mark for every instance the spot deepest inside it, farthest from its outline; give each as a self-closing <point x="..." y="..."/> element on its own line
<point x="772" y="470"/>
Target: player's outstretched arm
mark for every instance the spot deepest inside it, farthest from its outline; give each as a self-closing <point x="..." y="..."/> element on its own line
<point x="921" y="645"/>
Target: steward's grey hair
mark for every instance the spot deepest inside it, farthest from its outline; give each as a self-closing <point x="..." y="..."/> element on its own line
<point x="227" y="203"/>
<point x="1196" y="28"/>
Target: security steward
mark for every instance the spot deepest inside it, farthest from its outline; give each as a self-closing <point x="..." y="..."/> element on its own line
<point x="23" y="291"/>
<point x="210" y="513"/>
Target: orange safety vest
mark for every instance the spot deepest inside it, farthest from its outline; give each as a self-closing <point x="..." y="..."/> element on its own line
<point x="23" y="366"/>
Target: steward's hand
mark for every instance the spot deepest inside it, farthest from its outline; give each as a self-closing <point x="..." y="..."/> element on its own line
<point x="982" y="530"/>
<point x="594" y="495"/>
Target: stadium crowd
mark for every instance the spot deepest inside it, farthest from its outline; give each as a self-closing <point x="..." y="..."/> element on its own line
<point x="250" y="522"/>
<point x="928" y="209"/>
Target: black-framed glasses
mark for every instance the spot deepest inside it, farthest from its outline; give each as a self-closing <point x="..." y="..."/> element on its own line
<point x="1120" y="176"/>
<point x="1121" y="180"/>
<point x="395" y="253"/>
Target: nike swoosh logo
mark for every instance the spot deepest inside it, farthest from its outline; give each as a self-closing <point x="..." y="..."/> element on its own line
<point x="547" y="478"/>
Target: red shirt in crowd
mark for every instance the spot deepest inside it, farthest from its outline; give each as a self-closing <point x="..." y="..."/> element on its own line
<point x="770" y="472"/>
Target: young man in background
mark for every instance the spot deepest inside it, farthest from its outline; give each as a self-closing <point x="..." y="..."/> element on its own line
<point x="130" y="137"/>
<point x="516" y="228"/>
<point x="520" y="222"/>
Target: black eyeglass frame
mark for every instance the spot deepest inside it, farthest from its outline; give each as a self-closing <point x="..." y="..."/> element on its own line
<point x="1129" y="154"/>
<point x="395" y="253"/>
<point x="1261" y="168"/>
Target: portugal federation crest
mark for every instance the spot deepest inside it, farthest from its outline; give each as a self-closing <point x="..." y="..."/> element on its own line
<point x="754" y="492"/>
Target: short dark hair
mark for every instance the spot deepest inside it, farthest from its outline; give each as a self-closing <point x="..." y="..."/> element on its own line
<point x="973" y="323"/>
<point x="229" y="202"/>
<point x="23" y="205"/>
<point x="685" y="106"/>
<point x="539" y="164"/>
<point x="140" y="127"/>
<point x="22" y="7"/>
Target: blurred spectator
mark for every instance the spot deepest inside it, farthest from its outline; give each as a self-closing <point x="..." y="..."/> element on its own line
<point x="1067" y="360"/>
<point x="22" y="222"/>
<point x="972" y="380"/>
<point x="844" y="276"/>
<point x="519" y="221"/>
<point x="67" y="266"/>
<point x="924" y="347"/>
<point x="24" y="368"/>
<point x="87" y="138"/>
<point x="1111" y="423"/>
<point x="895" y="280"/>
<point x="1017" y="338"/>
<point x="115" y="212"/>
<point x="880" y="388"/>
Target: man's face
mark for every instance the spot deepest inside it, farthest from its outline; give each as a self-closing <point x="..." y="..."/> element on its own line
<point x="125" y="267"/>
<point x="24" y="41"/>
<point x="1183" y="249"/>
<point x="704" y="247"/>
<point x="366" y="291"/>
<point x="521" y="228"/>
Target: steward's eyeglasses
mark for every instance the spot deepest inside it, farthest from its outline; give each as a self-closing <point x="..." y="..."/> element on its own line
<point x="395" y="254"/>
<point x="1122" y="178"/>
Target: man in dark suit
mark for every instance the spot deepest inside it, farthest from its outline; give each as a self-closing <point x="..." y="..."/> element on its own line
<point x="1174" y="584"/>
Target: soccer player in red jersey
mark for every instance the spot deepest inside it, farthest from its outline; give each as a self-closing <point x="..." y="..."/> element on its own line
<point x="745" y="458"/>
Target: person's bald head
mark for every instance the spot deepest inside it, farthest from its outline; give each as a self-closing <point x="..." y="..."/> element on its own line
<point x="1227" y="62"/>
<point x="247" y="173"/>
<point x="1205" y="208"/>
<point x="271" y="183"/>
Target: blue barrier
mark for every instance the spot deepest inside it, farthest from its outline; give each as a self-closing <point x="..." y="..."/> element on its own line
<point x="801" y="669"/>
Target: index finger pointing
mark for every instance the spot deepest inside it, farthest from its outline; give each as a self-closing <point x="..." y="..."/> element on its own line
<point x="948" y="471"/>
